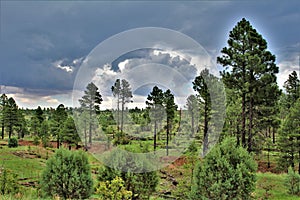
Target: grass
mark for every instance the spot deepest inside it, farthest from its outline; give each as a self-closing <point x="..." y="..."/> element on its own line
<point x="24" y="167"/>
<point x="275" y="184"/>
<point x="268" y="186"/>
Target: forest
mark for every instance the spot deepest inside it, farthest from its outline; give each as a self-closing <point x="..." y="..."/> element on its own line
<point x="238" y="137"/>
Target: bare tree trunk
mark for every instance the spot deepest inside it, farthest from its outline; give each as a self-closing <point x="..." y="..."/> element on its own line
<point x="250" y="125"/>
<point x="118" y="114"/>
<point x="122" y="117"/>
<point x="244" y="120"/>
<point x="57" y="141"/>
<point x="268" y="135"/>
<point x="85" y="136"/>
<point x="179" y="122"/>
<point x="90" y="128"/>
<point x="193" y="125"/>
<point x="154" y="135"/>
<point x="2" y="131"/>
<point x="168" y="133"/>
<point x="205" y="132"/>
<point x="10" y="131"/>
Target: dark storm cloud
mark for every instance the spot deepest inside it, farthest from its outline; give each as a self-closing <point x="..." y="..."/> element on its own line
<point x="40" y="40"/>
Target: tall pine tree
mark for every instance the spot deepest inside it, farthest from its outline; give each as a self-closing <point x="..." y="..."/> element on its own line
<point x="250" y="69"/>
<point x="116" y="90"/>
<point x="3" y="104"/>
<point x="289" y="142"/>
<point x="193" y="107"/>
<point x="171" y="109"/>
<point x="155" y="102"/>
<point x="124" y="94"/>
<point x="58" y="118"/>
<point x="292" y="88"/>
<point x="90" y="102"/>
<point x="11" y="115"/>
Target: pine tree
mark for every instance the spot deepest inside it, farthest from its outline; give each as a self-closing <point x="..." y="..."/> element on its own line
<point x="67" y="175"/>
<point x="58" y="118"/>
<point x="69" y="133"/>
<point x="232" y="125"/>
<point x="193" y="108"/>
<point x="22" y="124"/>
<point x="35" y="126"/>
<point x="209" y="93"/>
<point x="171" y="108"/>
<point x="116" y="89"/>
<point x="250" y="69"/>
<point x="155" y="103"/>
<point x="292" y="88"/>
<point x="200" y="85"/>
<point x="11" y="115"/>
<point x="227" y="172"/>
<point x="44" y="133"/>
<point x="289" y="142"/>
<point x="122" y="91"/>
<point x="39" y="113"/>
<point x="90" y="102"/>
<point x="3" y="102"/>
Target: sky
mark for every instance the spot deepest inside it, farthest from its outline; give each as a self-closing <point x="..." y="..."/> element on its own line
<point x="43" y="44"/>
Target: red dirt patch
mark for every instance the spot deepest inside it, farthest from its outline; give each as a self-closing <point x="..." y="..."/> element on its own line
<point x="180" y="161"/>
<point x="30" y="143"/>
<point x="52" y="144"/>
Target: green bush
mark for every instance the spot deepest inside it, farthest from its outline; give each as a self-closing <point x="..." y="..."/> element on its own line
<point x="114" y="189"/>
<point x="12" y="142"/>
<point x="8" y="182"/>
<point x="67" y="175"/>
<point x="292" y="182"/>
<point x="227" y="172"/>
<point x="142" y="185"/>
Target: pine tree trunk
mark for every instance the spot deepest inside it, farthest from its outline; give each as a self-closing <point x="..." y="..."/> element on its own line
<point x="2" y="131"/>
<point x="85" y="136"/>
<point x="205" y="132"/>
<point x="90" y="128"/>
<point x="154" y="135"/>
<point x="244" y="120"/>
<point x="57" y="142"/>
<point x="10" y="131"/>
<point x="168" y="133"/>
<point x="269" y="164"/>
<point x="122" y="117"/>
<point x="250" y="125"/>
<point x="118" y="114"/>
<point x="269" y="135"/>
<point x="193" y="124"/>
<point x="179" y="122"/>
